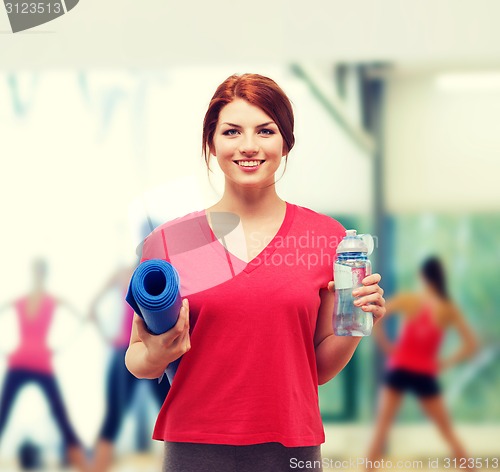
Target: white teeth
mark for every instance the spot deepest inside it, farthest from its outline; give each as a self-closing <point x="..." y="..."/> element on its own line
<point x="249" y="163"/>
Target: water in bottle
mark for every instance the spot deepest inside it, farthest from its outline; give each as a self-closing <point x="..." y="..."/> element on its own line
<point x="351" y="267"/>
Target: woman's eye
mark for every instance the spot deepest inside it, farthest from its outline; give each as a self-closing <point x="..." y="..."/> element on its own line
<point x="267" y="131"/>
<point x="230" y="132"/>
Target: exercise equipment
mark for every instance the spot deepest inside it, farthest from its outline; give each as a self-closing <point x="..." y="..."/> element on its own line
<point x="154" y="294"/>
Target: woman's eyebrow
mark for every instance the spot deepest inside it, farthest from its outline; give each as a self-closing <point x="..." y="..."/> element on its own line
<point x="258" y="126"/>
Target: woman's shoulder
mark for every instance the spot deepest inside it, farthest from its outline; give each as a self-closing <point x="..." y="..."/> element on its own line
<point x="406" y="303"/>
<point x="171" y="231"/>
<point x="319" y="220"/>
<point x="177" y="223"/>
<point x="451" y="310"/>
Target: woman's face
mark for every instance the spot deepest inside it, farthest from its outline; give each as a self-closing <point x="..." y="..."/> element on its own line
<point x="248" y="144"/>
<point x="39" y="271"/>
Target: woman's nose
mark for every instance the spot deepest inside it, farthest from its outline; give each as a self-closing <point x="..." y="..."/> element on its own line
<point x="249" y="147"/>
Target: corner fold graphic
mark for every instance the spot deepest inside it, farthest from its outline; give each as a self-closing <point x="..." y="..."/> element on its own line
<point x="70" y="4"/>
<point x="24" y="15"/>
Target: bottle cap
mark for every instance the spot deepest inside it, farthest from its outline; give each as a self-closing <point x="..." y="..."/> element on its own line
<point x="353" y="242"/>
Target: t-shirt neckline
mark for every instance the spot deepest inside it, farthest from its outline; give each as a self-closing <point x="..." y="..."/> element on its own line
<point x="264" y="255"/>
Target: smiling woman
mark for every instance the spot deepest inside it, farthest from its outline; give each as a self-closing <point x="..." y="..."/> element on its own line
<point x="241" y="98"/>
<point x="258" y="312"/>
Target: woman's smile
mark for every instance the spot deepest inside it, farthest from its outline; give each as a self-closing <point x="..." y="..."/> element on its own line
<point x="249" y="165"/>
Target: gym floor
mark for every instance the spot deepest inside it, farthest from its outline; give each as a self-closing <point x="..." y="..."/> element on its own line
<point x="411" y="447"/>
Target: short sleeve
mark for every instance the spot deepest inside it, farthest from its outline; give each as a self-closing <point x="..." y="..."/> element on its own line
<point x="335" y="232"/>
<point x="176" y="238"/>
<point x="338" y="232"/>
<point x="154" y="246"/>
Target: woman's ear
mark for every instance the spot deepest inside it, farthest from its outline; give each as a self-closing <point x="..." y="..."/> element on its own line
<point x="211" y="148"/>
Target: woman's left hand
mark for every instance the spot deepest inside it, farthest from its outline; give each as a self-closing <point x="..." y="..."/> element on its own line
<point x="369" y="297"/>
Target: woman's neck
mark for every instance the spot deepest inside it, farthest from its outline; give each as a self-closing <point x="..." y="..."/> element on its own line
<point x="37" y="290"/>
<point x="249" y="202"/>
<point x="433" y="296"/>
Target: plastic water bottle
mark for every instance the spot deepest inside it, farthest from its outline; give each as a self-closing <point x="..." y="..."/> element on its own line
<point x="351" y="267"/>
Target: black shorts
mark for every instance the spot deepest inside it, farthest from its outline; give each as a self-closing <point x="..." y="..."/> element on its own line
<point x="422" y="385"/>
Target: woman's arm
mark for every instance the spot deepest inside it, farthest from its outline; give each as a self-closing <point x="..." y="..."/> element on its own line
<point x="112" y="281"/>
<point x="148" y="355"/>
<point x="469" y="340"/>
<point x="70" y="307"/>
<point x="334" y="352"/>
<point x="393" y="305"/>
<point x="6" y="305"/>
<point x="92" y="316"/>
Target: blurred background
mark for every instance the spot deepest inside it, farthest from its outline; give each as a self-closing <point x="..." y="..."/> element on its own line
<point x="397" y="130"/>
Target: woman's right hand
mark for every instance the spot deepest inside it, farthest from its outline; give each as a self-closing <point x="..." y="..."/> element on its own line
<point x="166" y="347"/>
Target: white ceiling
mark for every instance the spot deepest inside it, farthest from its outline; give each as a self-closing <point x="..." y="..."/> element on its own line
<point x="155" y="33"/>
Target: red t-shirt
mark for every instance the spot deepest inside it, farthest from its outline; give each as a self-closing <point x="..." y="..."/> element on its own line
<point x="250" y="376"/>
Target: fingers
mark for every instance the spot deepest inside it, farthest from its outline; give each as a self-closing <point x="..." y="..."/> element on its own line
<point x="182" y="323"/>
<point x="371" y="279"/>
<point x="377" y="311"/>
<point x="370" y="296"/>
<point x="173" y="334"/>
<point x="374" y="298"/>
<point x="331" y="286"/>
<point x="140" y="325"/>
<point x="370" y="285"/>
<point x="184" y="341"/>
<point x="181" y="339"/>
<point x="183" y="319"/>
<point x="185" y="338"/>
<point x="374" y="304"/>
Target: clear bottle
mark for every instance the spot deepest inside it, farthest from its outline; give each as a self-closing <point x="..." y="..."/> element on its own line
<point x="351" y="267"/>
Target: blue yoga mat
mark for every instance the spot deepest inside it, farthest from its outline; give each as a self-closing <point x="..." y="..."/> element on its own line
<point x="154" y="294"/>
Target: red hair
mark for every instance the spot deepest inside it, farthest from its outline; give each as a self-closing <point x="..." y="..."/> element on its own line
<point x="257" y="90"/>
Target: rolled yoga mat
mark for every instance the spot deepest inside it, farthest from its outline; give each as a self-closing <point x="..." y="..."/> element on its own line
<point x="154" y="294"/>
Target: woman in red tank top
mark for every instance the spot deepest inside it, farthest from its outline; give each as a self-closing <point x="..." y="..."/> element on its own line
<point x="413" y="359"/>
<point x="121" y="384"/>
<point x="31" y="362"/>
